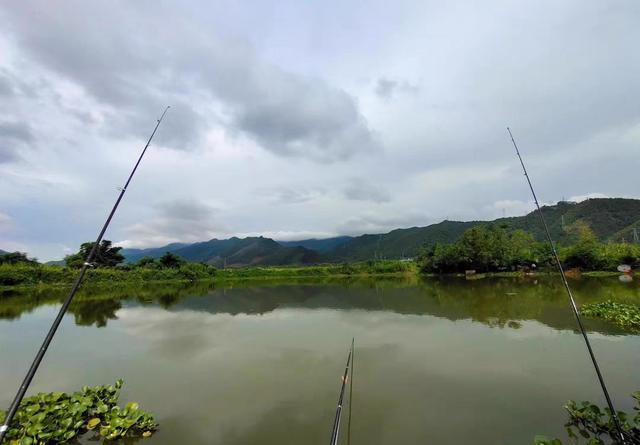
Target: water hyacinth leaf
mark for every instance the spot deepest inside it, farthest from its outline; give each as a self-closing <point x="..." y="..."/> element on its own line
<point x="49" y="418"/>
<point x="132" y="406"/>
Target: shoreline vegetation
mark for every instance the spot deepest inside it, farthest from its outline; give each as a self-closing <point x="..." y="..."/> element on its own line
<point x="491" y="249"/>
<point x="18" y="276"/>
<point x="22" y="275"/>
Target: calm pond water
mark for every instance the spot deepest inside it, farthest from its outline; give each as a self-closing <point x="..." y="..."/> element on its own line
<point x="438" y="361"/>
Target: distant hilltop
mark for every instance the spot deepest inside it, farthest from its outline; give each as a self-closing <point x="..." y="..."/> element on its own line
<point x="611" y="219"/>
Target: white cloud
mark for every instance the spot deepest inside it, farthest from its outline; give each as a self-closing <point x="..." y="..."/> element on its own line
<point x="580" y="198"/>
<point x="508" y="207"/>
<point x="174" y="221"/>
<point x="5" y="221"/>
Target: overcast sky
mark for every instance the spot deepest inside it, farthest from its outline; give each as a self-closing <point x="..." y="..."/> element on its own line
<point x="300" y="118"/>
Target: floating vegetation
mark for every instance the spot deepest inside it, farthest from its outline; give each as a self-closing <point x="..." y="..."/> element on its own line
<point x="58" y="417"/>
<point x="624" y="315"/>
<point x="596" y="425"/>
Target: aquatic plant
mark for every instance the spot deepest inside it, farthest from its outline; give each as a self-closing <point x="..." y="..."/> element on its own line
<point x="596" y="424"/>
<point x="624" y="315"/>
<point x="58" y="417"/>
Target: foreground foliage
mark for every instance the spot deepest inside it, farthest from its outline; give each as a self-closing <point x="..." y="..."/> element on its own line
<point x="624" y="315"/>
<point x="58" y="417"/>
<point x="596" y="424"/>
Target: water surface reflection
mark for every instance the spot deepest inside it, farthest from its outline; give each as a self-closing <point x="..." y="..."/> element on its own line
<point x="439" y="361"/>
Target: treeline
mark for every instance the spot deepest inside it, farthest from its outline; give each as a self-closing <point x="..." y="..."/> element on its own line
<point x="107" y="267"/>
<point x="28" y="274"/>
<point x="17" y="269"/>
<point x="494" y="248"/>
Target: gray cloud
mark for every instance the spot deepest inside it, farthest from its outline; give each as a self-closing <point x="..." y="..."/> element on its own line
<point x="304" y="117"/>
<point x="290" y="195"/>
<point x="413" y="99"/>
<point x="5" y="221"/>
<point x="174" y="221"/>
<point x="6" y="86"/>
<point x="13" y="136"/>
<point x="374" y="224"/>
<point x="288" y="114"/>
<point x="18" y="131"/>
<point x="360" y="190"/>
<point x="387" y="88"/>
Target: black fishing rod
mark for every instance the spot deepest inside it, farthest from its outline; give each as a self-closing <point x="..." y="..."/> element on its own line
<point x="572" y="301"/>
<point x="65" y="306"/>
<point x="335" y="433"/>
<point x="353" y="365"/>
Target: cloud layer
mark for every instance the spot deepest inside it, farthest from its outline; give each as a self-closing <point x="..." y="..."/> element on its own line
<point x="307" y="118"/>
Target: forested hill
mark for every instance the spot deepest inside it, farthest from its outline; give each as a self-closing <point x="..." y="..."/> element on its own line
<point x="399" y="243"/>
<point x="610" y="218"/>
<point x="319" y="245"/>
<point x="231" y="252"/>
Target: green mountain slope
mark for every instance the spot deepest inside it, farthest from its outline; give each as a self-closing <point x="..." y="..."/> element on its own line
<point x="610" y="218"/>
<point x="319" y="245"/>
<point x="399" y="243"/>
<point x="630" y="234"/>
<point x="231" y="252"/>
<point x="606" y="217"/>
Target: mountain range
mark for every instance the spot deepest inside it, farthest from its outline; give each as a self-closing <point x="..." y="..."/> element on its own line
<point x="611" y="219"/>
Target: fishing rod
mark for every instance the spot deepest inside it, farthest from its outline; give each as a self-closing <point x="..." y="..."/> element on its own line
<point x="353" y="365"/>
<point x="65" y="305"/>
<point x="572" y="301"/>
<point x="335" y="433"/>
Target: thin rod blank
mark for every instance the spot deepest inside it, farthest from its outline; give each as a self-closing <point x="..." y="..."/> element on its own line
<point x="335" y="433"/>
<point x="353" y="365"/>
<point x="572" y="301"/>
<point x="65" y="306"/>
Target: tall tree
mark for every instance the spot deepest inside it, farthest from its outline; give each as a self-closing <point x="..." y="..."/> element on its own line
<point x="171" y="260"/>
<point x="147" y="261"/>
<point x="106" y="256"/>
<point x="584" y="254"/>
<point x="15" y="258"/>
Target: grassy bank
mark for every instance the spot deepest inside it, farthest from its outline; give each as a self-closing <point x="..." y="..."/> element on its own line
<point x="19" y="275"/>
<point x="12" y="275"/>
